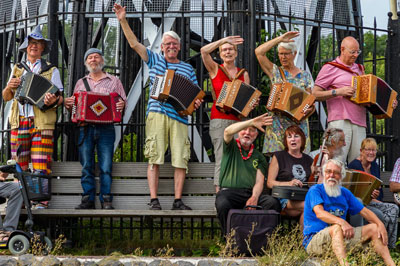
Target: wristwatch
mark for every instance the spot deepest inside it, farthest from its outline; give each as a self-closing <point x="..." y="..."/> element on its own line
<point x="334" y="92"/>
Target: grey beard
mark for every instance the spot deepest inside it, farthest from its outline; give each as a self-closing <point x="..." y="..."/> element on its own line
<point x="333" y="191"/>
<point x="96" y="69"/>
<point x="337" y="153"/>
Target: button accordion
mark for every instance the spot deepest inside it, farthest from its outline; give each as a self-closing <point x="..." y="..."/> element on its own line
<point x="375" y="94"/>
<point x="237" y="97"/>
<point x="177" y="90"/>
<point x="361" y="184"/>
<point x="33" y="88"/>
<point x="98" y="108"/>
<point x="290" y="101"/>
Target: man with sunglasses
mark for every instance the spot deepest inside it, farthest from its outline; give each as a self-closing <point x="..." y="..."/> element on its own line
<point x="164" y="126"/>
<point x="333" y="85"/>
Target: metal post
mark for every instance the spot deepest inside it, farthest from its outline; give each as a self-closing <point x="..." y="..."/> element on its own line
<point x="393" y="78"/>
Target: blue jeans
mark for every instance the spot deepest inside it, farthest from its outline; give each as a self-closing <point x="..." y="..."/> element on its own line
<point x="102" y="136"/>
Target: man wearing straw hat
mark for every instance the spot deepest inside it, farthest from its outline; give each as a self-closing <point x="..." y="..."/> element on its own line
<point x="31" y="128"/>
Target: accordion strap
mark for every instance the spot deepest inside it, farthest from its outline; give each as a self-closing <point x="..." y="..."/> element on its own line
<point x="86" y="83"/>
<point x="346" y="68"/>
<point x="238" y="74"/>
<point x="282" y="74"/>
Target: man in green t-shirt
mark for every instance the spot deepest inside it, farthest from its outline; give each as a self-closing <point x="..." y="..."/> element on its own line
<point x="242" y="170"/>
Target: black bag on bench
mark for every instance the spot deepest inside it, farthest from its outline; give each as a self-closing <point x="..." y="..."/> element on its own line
<point x="241" y="221"/>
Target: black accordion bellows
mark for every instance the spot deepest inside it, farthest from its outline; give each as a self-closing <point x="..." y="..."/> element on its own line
<point x="181" y="96"/>
<point x="33" y="88"/>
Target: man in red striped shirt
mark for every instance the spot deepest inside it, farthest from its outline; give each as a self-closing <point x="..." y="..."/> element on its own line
<point x="100" y="135"/>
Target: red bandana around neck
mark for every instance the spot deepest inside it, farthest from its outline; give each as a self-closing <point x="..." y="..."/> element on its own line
<point x="240" y="149"/>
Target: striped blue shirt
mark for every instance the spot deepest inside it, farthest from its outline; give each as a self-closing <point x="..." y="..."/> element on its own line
<point x="157" y="66"/>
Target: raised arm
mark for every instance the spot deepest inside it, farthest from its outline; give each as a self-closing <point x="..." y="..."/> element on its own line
<point x="209" y="63"/>
<point x="261" y="51"/>
<point x="258" y="122"/>
<point x="120" y="12"/>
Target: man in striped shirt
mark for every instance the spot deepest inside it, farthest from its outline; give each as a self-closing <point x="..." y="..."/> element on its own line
<point x="164" y="126"/>
<point x="100" y="135"/>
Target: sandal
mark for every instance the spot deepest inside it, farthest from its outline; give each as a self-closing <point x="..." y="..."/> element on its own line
<point x="4" y="236"/>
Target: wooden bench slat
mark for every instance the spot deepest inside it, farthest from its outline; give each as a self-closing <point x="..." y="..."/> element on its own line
<point x="135" y="203"/>
<point x="129" y="169"/>
<point x="134" y="186"/>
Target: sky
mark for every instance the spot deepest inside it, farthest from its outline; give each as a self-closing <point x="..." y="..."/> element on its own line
<point x="375" y="8"/>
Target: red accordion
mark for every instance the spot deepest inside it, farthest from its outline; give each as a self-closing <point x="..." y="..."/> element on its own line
<point x="93" y="107"/>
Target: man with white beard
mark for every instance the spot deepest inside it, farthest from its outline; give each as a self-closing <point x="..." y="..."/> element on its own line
<point x="325" y="224"/>
<point x="333" y="149"/>
<point x="100" y="135"/>
<point x="243" y="169"/>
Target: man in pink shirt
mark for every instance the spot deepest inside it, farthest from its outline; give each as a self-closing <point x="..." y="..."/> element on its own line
<point x="333" y="85"/>
<point x="97" y="136"/>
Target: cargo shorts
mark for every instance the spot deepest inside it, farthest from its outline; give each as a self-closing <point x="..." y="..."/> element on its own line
<point x="162" y="131"/>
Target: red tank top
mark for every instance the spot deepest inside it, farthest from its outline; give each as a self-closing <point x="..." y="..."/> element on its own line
<point x="217" y="83"/>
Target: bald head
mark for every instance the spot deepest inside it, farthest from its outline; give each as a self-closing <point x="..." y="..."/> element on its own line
<point x="349" y="42"/>
<point x="349" y="50"/>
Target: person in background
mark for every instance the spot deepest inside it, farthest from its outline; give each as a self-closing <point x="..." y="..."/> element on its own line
<point x="387" y="212"/>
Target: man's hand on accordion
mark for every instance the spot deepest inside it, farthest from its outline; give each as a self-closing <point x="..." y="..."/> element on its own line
<point x="68" y="102"/>
<point x="198" y="103"/>
<point x="50" y="99"/>
<point x="14" y="83"/>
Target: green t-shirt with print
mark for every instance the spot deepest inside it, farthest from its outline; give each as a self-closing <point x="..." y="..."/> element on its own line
<point x="236" y="172"/>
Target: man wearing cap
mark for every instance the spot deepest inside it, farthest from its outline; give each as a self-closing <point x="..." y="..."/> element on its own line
<point x="31" y="128"/>
<point x="100" y="135"/>
<point x="164" y="126"/>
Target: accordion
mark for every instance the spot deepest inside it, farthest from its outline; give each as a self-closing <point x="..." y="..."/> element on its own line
<point x="98" y="108"/>
<point x="361" y="184"/>
<point x="375" y="93"/>
<point x="237" y="97"/>
<point x="290" y="101"/>
<point x="177" y="90"/>
<point x="33" y="88"/>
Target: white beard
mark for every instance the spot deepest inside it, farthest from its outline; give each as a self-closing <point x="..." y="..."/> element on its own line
<point x="333" y="191"/>
<point x="337" y="153"/>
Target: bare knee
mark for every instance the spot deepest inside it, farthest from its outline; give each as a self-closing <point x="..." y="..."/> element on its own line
<point x="335" y="230"/>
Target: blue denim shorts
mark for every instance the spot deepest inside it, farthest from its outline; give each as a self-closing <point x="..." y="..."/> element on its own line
<point x="283" y="202"/>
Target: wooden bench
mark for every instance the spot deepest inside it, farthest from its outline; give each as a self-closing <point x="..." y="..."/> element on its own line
<point x="131" y="192"/>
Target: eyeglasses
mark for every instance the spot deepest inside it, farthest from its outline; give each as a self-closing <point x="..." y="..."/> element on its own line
<point x="370" y="150"/>
<point x="34" y="42"/>
<point x="358" y="52"/>
<point x="335" y="173"/>
<point x="285" y="54"/>
<point x="227" y="49"/>
<point x="171" y="44"/>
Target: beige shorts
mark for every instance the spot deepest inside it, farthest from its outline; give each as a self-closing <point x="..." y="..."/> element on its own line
<point x="162" y="131"/>
<point x="321" y="241"/>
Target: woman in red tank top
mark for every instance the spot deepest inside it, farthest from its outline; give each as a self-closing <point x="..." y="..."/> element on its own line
<point x="227" y="71"/>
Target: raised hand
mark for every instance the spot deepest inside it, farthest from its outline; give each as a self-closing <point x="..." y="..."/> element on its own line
<point x="120" y="11"/>
<point x="234" y="40"/>
<point x="261" y="121"/>
<point x="288" y="36"/>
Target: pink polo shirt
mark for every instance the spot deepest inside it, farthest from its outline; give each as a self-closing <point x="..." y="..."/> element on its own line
<point x="339" y="107"/>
